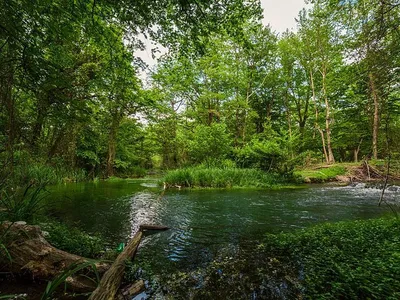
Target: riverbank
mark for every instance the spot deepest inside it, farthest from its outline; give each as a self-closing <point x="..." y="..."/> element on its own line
<point x="345" y="260"/>
<point x="213" y="177"/>
<point x="366" y="171"/>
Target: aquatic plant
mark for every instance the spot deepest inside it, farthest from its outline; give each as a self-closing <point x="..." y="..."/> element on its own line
<point x="222" y="178"/>
<point x="347" y="260"/>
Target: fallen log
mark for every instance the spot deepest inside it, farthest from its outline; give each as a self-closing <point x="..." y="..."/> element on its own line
<point x="131" y="291"/>
<point x="145" y="227"/>
<point x="111" y="280"/>
<point x="29" y="254"/>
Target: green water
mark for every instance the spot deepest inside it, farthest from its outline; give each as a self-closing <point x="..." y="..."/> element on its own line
<point x="205" y="224"/>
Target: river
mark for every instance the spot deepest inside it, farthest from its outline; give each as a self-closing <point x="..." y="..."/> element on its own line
<point x="205" y="224"/>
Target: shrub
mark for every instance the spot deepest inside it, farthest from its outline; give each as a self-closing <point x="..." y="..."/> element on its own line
<point x="209" y="142"/>
<point x="268" y="151"/>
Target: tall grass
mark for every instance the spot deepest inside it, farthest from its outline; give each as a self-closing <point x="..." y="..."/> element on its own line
<point x="53" y="285"/>
<point x="222" y="178"/>
<point x="19" y="204"/>
<point x="42" y="173"/>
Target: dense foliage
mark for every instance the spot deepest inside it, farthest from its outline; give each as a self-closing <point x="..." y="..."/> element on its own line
<point x="72" y="99"/>
<point x="230" y="103"/>
<point x="73" y="240"/>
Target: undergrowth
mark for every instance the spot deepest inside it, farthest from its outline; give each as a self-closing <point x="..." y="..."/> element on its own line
<point x="48" y="174"/>
<point x="73" y="240"/>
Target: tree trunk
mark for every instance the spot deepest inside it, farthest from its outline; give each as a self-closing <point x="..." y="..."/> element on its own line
<point x="111" y="281"/>
<point x="32" y="255"/>
<point x="7" y="99"/>
<point x="38" y="125"/>
<point x="357" y="150"/>
<point x="316" y="125"/>
<point x="58" y="135"/>
<point x="112" y="144"/>
<point x="331" y="158"/>
<point x="288" y="117"/>
<point x="375" y="127"/>
<point x="323" y="144"/>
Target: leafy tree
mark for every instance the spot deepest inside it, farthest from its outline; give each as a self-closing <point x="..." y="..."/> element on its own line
<point x="210" y="143"/>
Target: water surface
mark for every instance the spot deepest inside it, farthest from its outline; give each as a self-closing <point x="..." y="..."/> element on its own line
<point x="205" y="224"/>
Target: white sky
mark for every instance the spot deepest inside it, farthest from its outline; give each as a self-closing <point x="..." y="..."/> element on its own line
<point x="280" y="14"/>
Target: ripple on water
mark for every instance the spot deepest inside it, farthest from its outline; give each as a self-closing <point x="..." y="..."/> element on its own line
<point x="205" y="224"/>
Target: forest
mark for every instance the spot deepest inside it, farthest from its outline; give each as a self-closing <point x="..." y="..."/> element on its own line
<point x="229" y="103"/>
<point x="230" y="89"/>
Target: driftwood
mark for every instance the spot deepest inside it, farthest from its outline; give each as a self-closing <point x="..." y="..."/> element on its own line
<point x="31" y="255"/>
<point x="127" y="293"/>
<point x="111" y="281"/>
<point x="134" y="289"/>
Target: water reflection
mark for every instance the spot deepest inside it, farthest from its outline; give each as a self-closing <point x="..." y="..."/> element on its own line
<point x="205" y="223"/>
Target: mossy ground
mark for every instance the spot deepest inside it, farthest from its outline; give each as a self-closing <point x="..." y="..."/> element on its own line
<point x="319" y="174"/>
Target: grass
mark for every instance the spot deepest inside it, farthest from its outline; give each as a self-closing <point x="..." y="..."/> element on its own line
<point x="345" y="260"/>
<point x="320" y="174"/>
<point x="73" y="240"/>
<point x="53" y="285"/>
<point x="21" y="204"/>
<point x="222" y="178"/>
<point x="42" y="174"/>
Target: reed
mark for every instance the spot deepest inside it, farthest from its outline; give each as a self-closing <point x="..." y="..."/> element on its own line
<point x="222" y="178"/>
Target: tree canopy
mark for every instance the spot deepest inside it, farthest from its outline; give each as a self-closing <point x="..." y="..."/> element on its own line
<point x="228" y="88"/>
